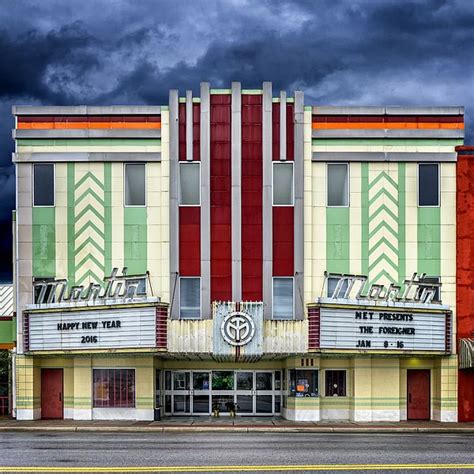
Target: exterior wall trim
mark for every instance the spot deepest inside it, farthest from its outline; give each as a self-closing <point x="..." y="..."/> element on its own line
<point x="374" y="110"/>
<point x="383" y="156"/>
<point x="267" y="211"/>
<point x="86" y="133"/>
<point x="87" y="110"/>
<point x="205" y="141"/>
<point x="174" y="210"/>
<point x="236" y="177"/>
<point x="92" y="157"/>
<point x="299" y="208"/>
<point x="387" y="133"/>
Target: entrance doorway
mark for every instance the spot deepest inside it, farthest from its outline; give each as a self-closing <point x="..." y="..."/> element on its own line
<point x="256" y="392"/>
<point x="52" y="394"/>
<point x="418" y="394"/>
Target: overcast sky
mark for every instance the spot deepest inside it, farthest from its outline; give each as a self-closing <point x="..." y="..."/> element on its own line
<point x="352" y="52"/>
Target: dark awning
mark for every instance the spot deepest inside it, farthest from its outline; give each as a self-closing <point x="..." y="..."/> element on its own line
<point x="466" y="353"/>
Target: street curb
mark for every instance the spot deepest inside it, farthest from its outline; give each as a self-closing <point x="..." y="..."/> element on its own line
<point x="235" y="429"/>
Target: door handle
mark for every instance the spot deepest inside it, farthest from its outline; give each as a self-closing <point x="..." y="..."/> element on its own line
<point x="60" y="397"/>
<point x="409" y="398"/>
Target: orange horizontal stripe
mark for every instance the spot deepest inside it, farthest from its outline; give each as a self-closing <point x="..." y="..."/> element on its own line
<point x="381" y="125"/>
<point x="7" y="345"/>
<point x="88" y="125"/>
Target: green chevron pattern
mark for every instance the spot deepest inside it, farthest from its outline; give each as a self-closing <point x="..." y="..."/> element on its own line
<point x="383" y="232"/>
<point x="89" y="226"/>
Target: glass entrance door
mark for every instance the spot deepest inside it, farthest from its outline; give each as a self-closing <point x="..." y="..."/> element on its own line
<point x="201" y="403"/>
<point x="245" y="392"/>
<point x="199" y="392"/>
<point x="264" y="404"/>
<point x="181" y="393"/>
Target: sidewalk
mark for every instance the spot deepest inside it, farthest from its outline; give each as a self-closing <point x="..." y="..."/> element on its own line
<point x="239" y="424"/>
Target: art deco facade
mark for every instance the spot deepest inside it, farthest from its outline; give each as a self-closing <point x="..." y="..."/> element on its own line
<point x="270" y="251"/>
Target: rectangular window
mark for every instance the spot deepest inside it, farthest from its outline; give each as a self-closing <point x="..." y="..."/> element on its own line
<point x="428" y="184"/>
<point x="283" y="184"/>
<point x="190" y="298"/>
<point x="332" y="283"/>
<point x="283" y="298"/>
<point x="303" y="383"/>
<point x="114" y="388"/>
<point x="335" y="383"/>
<point x="134" y="184"/>
<point x="189" y="184"/>
<point x="43" y="184"/>
<point x="338" y="184"/>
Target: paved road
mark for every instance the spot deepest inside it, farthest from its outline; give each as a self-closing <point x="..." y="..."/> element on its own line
<point x="75" y="452"/>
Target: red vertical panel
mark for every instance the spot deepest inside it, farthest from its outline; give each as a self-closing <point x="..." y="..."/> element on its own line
<point x="196" y="132"/>
<point x="221" y="224"/>
<point x="276" y="131"/>
<point x="182" y="131"/>
<point x="190" y="241"/>
<point x="290" y="132"/>
<point x="283" y="241"/>
<point x="465" y="274"/>
<point x="252" y="189"/>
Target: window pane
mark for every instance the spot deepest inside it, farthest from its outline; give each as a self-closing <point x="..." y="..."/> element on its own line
<point x="428" y="185"/>
<point x="44" y="185"/>
<point x="190" y="298"/>
<point x="189" y="183"/>
<point x="223" y="380"/>
<point x="303" y="383"/>
<point x="114" y="388"/>
<point x="283" y="184"/>
<point x="335" y="383"/>
<point x="338" y="184"/>
<point x="135" y="184"/>
<point x="283" y="298"/>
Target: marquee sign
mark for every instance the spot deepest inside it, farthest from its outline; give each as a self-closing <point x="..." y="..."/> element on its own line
<point x="411" y="291"/>
<point x="115" y="287"/>
<point x="134" y="327"/>
<point x="383" y="329"/>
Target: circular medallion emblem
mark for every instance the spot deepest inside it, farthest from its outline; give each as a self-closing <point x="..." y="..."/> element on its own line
<point x="238" y="328"/>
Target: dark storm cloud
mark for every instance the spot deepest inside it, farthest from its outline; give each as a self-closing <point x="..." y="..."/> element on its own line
<point x="361" y="52"/>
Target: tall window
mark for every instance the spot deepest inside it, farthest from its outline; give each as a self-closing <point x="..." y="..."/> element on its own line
<point x="283" y="184"/>
<point x="189" y="184"/>
<point x="283" y="298"/>
<point x="303" y="383"/>
<point x="428" y="184"/>
<point x="190" y="298"/>
<point x="338" y="184"/>
<point x="43" y="184"/>
<point x="114" y="388"/>
<point x="134" y="184"/>
<point x="335" y="383"/>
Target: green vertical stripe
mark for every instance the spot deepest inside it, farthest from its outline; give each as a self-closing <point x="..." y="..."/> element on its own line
<point x="365" y="218"/>
<point x="44" y="242"/>
<point x="401" y="222"/>
<point x="108" y="217"/>
<point x="71" y="274"/>
<point x="429" y="241"/>
<point x="135" y="239"/>
<point x="337" y="239"/>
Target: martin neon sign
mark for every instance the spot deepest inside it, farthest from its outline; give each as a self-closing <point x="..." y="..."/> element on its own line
<point x="115" y="287"/>
<point x="411" y="291"/>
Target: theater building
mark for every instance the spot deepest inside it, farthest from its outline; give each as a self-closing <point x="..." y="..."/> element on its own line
<point x="236" y="247"/>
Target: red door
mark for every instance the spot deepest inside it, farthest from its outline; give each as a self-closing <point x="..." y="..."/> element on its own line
<point x="418" y="394"/>
<point x="52" y="393"/>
